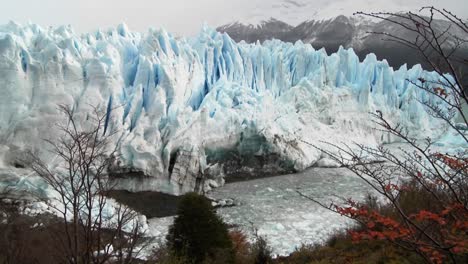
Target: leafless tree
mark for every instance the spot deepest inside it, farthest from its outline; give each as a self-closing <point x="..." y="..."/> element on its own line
<point x="80" y="180"/>
<point x="440" y="49"/>
<point x="440" y="177"/>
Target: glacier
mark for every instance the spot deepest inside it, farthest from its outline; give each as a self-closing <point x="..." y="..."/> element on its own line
<point x="181" y="106"/>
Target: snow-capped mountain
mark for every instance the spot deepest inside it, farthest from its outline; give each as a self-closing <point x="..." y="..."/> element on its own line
<point x="294" y="12"/>
<point x="346" y="31"/>
<point x="188" y="111"/>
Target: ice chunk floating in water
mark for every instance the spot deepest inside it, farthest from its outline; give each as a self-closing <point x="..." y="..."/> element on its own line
<point x="179" y="104"/>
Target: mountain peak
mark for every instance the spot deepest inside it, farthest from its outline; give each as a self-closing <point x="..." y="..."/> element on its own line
<point x="294" y="12"/>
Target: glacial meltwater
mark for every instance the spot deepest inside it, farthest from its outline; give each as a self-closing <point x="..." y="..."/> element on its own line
<point x="274" y="208"/>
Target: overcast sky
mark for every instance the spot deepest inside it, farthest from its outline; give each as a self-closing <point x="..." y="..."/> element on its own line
<point x="185" y="17"/>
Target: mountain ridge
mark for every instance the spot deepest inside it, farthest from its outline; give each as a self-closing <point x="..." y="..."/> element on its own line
<point x="346" y="31"/>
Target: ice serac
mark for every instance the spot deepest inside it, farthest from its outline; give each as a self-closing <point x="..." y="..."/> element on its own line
<point x="184" y="108"/>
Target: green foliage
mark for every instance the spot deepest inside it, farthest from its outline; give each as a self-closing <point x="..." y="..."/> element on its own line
<point x="198" y="233"/>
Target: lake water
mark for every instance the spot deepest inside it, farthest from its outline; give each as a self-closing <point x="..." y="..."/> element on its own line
<point x="280" y="214"/>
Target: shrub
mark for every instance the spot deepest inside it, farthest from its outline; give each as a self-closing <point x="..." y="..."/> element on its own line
<point x="198" y="233"/>
<point x="261" y="251"/>
<point x="241" y="246"/>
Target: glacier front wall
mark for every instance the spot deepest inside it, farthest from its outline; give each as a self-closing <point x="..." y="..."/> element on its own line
<point x="166" y="96"/>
